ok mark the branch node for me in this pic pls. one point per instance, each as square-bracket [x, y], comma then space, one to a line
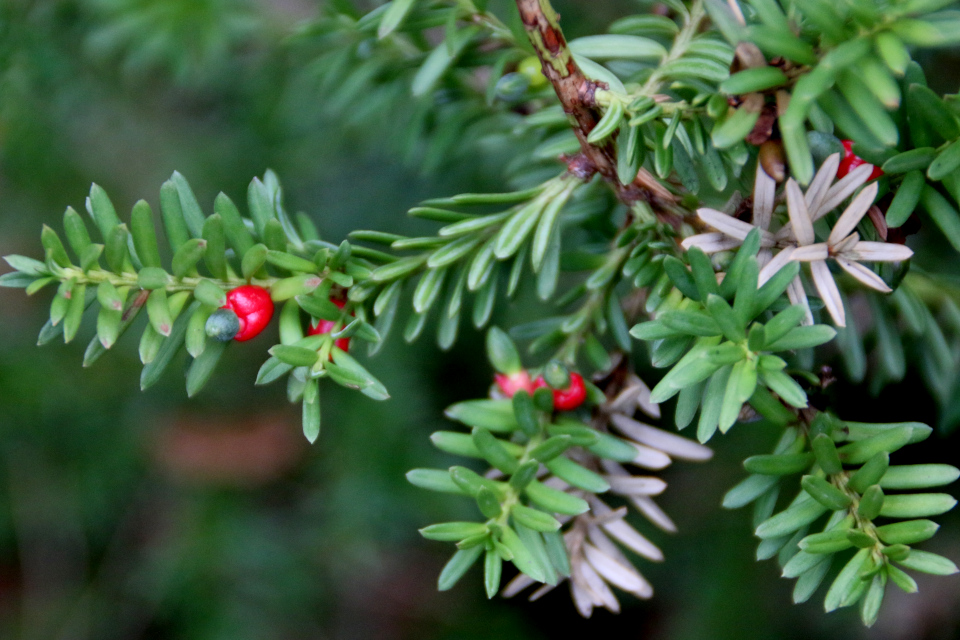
[587, 91]
[580, 166]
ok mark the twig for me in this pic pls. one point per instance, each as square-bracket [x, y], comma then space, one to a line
[577, 96]
[573, 88]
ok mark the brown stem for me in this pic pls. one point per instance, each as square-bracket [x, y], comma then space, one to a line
[576, 94]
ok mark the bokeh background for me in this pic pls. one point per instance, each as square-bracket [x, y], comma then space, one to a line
[128, 515]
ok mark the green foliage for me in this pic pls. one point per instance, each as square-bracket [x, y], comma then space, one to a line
[466, 256]
[847, 482]
[192, 41]
[548, 469]
[180, 299]
[363, 66]
[672, 115]
[725, 354]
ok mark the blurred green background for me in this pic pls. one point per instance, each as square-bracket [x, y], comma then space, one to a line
[128, 515]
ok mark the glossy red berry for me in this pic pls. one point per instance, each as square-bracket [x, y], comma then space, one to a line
[326, 326]
[569, 398]
[253, 307]
[510, 383]
[851, 161]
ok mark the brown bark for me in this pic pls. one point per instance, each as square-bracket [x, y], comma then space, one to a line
[576, 93]
[575, 90]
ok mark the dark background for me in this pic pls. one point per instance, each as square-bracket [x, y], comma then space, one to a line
[134, 515]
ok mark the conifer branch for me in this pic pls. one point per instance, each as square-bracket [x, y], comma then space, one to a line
[574, 89]
[576, 94]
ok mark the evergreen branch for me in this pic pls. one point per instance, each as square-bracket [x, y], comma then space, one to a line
[576, 92]
[602, 310]
[171, 284]
[549, 466]
[467, 255]
[734, 330]
[856, 497]
[358, 78]
[277, 261]
[619, 159]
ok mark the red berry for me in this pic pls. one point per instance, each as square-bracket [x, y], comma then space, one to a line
[569, 398]
[510, 383]
[326, 326]
[851, 161]
[253, 307]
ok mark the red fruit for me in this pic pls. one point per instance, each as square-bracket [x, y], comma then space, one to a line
[510, 383]
[851, 161]
[253, 307]
[326, 326]
[569, 398]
